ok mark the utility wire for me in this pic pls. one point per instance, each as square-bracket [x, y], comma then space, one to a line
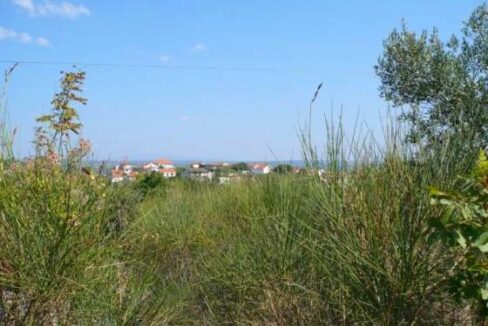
[179, 67]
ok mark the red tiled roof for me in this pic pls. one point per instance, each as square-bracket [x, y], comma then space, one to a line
[259, 166]
[167, 170]
[117, 173]
[163, 161]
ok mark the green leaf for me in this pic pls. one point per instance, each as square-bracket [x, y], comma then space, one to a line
[482, 242]
[484, 294]
[434, 192]
[461, 240]
[445, 201]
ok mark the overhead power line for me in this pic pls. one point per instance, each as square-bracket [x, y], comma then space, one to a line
[181, 67]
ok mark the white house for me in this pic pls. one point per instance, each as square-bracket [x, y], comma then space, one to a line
[168, 172]
[164, 163]
[151, 167]
[163, 166]
[123, 172]
[216, 166]
[260, 168]
[127, 168]
[117, 175]
[200, 174]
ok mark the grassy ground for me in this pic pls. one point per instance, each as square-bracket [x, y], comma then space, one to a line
[294, 249]
[355, 247]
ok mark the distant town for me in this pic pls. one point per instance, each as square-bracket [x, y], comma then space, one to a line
[221, 172]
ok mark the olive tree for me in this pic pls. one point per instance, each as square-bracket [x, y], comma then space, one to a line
[441, 86]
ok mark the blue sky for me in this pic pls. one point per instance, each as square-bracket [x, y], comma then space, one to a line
[148, 112]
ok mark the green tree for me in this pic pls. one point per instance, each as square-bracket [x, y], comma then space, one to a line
[443, 85]
[283, 168]
[150, 182]
[241, 166]
[179, 172]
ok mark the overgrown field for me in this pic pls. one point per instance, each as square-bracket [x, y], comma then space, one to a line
[362, 243]
[395, 232]
[356, 246]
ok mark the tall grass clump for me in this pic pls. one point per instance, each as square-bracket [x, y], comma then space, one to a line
[351, 245]
[370, 233]
[6, 135]
[348, 241]
[61, 261]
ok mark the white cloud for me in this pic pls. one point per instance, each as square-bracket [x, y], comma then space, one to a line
[42, 41]
[25, 38]
[48, 8]
[183, 118]
[198, 47]
[164, 58]
[26, 5]
[8, 34]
